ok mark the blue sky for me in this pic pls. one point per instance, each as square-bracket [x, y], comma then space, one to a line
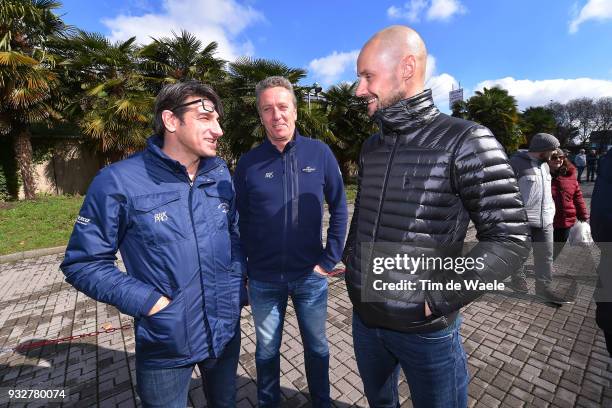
[539, 50]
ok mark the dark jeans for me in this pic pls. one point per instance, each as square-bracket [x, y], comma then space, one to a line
[579, 175]
[560, 237]
[603, 293]
[434, 365]
[269, 304]
[591, 173]
[603, 317]
[169, 387]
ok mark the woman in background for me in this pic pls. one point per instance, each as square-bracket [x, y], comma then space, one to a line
[569, 203]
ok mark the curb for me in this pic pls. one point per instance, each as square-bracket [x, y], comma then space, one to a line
[18, 256]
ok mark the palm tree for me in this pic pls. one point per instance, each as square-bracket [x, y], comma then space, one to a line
[348, 122]
[242, 126]
[27, 80]
[181, 57]
[459, 110]
[114, 106]
[537, 120]
[497, 110]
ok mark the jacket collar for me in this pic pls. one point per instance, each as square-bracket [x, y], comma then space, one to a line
[571, 170]
[155, 144]
[297, 139]
[525, 156]
[408, 114]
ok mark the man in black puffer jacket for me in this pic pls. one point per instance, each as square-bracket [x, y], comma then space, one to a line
[422, 178]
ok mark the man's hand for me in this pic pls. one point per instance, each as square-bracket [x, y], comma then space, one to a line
[427, 310]
[320, 271]
[161, 303]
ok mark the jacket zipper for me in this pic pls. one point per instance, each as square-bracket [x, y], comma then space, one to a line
[284, 251]
[384, 190]
[542, 201]
[294, 190]
[211, 350]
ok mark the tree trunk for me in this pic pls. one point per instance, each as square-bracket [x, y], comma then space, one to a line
[23, 153]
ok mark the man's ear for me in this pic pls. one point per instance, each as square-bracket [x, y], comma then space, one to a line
[408, 65]
[170, 121]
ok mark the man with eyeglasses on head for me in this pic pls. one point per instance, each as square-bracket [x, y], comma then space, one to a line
[170, 211]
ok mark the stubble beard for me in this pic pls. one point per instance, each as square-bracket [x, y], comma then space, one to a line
[392, 99]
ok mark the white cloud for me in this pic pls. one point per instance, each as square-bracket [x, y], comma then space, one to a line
[331, 68]
[209, 20]
[338, 66]
[440, 84]
[444, 9]
[538, 93]
[593, 10]
[410, 11]
[438, 10]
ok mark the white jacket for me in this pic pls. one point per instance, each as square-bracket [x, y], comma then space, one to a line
[534, 181]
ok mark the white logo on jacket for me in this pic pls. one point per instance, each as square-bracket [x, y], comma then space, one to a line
[269, 174]
[308, 169]
[82, 220]
[161, 216]
[224, 207]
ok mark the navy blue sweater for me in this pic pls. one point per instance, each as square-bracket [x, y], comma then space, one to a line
[280, 205]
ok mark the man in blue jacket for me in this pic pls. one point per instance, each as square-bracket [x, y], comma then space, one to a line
[170, 211]
[280, 188]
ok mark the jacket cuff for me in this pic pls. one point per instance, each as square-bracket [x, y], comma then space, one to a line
[149, 303]
[326, 264]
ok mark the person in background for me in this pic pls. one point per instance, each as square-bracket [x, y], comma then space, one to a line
[591, 162]
[534, 180]
[601, 231]
[580, 161]
[566, 193]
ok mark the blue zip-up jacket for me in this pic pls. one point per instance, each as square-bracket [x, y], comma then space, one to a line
[177, 239]
[280, 202]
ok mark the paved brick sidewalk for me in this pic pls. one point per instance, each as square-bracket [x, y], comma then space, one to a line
[521, 352]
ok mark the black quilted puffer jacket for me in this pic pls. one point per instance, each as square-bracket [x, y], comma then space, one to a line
[421, 179]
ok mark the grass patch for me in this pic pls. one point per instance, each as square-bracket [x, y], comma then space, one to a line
[351, 192]
[41, 223]
[47, 221]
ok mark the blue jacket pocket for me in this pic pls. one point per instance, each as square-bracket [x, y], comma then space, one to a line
[161, 217]
[164, 334]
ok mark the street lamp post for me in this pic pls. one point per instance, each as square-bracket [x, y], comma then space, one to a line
[317, 88]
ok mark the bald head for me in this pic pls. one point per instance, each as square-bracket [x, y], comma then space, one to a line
[394, 58]
[394, 44]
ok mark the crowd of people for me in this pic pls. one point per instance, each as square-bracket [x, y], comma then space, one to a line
[199, 244]
[582, 161]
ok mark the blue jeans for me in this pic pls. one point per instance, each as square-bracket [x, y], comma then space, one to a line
[169, 387]
[434, 365]
[268, 304]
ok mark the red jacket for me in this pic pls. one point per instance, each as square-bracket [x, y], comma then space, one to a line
[567, 196]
